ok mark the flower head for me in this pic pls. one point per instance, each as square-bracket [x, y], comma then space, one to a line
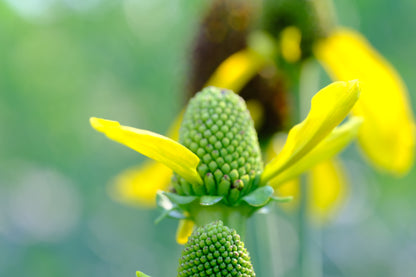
[218, 128]
[215, 250]
[218, 161]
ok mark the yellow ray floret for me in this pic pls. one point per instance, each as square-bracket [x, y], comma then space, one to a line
[290, 40]
[237, 70]
[157, 147]
[328, 108]
[387, 135]
[337, 140]
[185, 228]
[138, 186]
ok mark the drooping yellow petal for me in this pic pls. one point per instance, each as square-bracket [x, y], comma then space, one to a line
[328, 189]
[138, 186]
[237, 70]
[387, 135]
[157, 147]
[328, 108]
[290, 39]
[184, 230]
[337, 140]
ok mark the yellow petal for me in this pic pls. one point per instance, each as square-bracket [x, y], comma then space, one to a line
[157, 147]
[138, 186]
[184, 230]
[290, 44]
[237, 70]
[337, 140]
[328, 189]
[387, 135]
[328, 108]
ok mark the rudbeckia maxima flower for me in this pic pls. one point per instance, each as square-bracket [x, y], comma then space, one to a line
[317, 137]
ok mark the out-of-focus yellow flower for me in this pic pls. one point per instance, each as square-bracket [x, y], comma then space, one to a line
[328, 109]
[387, 136]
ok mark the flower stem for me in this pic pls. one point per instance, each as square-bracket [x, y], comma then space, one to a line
[232, 217]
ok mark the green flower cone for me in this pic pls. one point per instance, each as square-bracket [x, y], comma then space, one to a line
[218, 128]
[215, 250]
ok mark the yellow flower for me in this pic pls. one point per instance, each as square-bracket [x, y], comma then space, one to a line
[387, 136]
[307, 143]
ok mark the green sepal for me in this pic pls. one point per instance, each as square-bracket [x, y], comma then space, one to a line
[179, 199]
[163, 201]
[170, 208]
[285, 199]
[175, 213]
[141, 274]
[259, 197]
[207, 200]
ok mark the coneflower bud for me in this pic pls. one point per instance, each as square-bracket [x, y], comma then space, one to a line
[215, 250]
[218, 128]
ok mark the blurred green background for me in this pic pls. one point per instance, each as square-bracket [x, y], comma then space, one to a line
[62, 61]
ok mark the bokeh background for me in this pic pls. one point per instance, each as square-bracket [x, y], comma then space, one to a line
[62, 61]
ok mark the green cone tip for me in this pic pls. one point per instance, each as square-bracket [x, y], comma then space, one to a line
[218, 128]
[215, 250]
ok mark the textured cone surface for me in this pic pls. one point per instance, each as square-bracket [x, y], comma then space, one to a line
[215, 250]
[218, 128]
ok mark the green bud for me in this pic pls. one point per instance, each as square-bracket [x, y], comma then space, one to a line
[215, 250]
[218, 128]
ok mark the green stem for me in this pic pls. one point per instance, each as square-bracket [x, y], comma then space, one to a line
[232, 217]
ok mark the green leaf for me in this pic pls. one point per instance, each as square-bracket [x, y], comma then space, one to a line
[210, 200]
[259, 197]
[141, 274]
[179, 199]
